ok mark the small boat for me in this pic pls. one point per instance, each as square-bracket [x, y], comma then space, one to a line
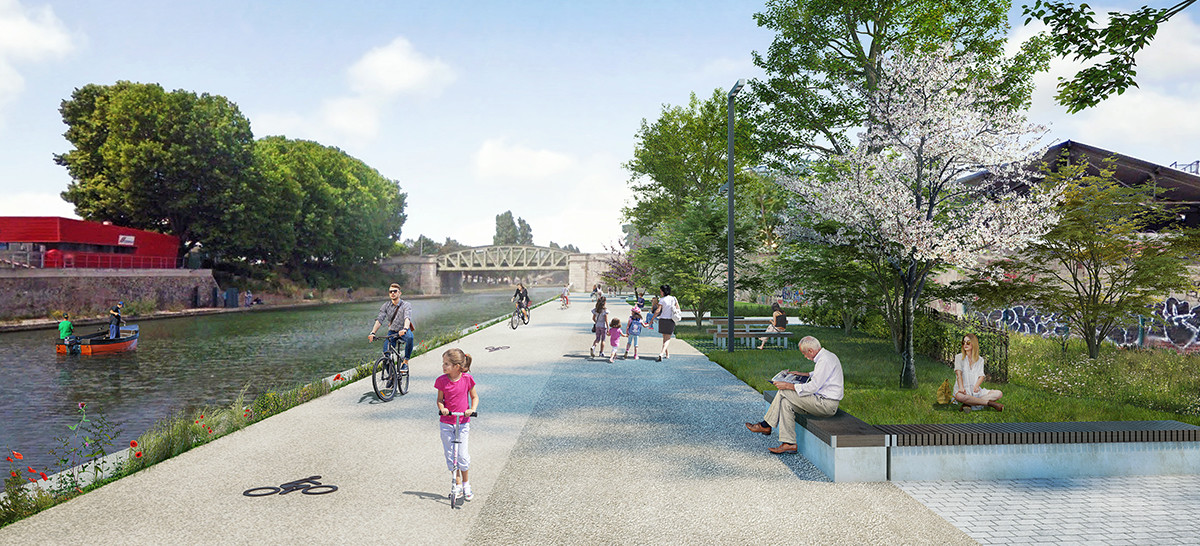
[99, 343]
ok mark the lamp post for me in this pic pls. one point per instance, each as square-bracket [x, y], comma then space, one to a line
[729, 184]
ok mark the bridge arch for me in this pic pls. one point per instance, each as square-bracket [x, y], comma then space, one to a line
[504, 258]
[443, 273]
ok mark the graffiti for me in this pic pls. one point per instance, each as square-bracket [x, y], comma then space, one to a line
[1172, 323]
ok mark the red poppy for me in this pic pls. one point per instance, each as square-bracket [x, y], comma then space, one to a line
[31, 470]
[337, 377]
[9, 459]
[137, 455]
[43, 475]
[13, 472]
[197, 422]
[133, 443]
[33, 480]
[18, 455]
[201, 416]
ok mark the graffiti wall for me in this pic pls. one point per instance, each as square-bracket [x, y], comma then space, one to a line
[1173, 323]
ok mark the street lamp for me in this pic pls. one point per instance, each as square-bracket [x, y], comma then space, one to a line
[729, 186]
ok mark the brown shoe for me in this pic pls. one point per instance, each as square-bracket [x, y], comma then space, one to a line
[755, 427]
[783, 448]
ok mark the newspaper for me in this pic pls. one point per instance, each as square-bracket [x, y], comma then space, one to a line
[790, 377]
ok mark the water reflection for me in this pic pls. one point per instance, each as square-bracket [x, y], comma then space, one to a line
[189, 362]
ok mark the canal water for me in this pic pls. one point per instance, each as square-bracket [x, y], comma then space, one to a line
[185, 363]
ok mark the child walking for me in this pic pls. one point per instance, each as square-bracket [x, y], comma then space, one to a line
[456, 393]
[600, 326]
[614, 337]
[632, 330]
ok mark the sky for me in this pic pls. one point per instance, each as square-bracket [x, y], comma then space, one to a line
[474, 107]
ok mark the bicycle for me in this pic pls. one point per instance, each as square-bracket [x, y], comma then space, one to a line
[456, 474]
[390, 374]
[564, 302]
[520, 316]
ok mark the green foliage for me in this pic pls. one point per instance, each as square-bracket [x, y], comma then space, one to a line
[1071, 33]
[1100, 264]
[940, 337]
[507, 232]
[822, 49]
[20, 501]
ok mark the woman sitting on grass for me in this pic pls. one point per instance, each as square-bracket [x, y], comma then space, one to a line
[968, 371]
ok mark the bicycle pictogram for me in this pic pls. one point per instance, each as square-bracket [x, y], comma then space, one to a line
[491, 349]
[307, 486]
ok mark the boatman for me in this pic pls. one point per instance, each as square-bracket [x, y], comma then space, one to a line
[114, 320]
[397, 315]
[66, 330]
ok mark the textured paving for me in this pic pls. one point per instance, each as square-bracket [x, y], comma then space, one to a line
[1115, 511]
[567, 450]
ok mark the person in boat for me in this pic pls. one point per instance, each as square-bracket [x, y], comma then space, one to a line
[66, 330]
[114, 320]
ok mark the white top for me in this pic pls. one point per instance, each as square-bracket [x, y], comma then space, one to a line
[971, 372]
[669, 305]
[826, 378]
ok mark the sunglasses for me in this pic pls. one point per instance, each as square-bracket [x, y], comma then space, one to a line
[393, 291]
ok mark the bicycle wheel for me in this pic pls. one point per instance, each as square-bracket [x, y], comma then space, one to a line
[514, 321]
[381, 379]
[402, 379]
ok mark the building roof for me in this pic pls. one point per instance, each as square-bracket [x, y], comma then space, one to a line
[1181, 187]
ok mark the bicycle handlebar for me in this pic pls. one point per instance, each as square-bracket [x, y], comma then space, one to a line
[460, 414]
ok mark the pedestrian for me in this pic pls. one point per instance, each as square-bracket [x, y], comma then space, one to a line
[114, 320]
[655, 309]
[66, 330]
[778, 323]
[632, 330]
[640, 297]
[456, 393]
[668, 313]
[397, 315]
[969, 376]
[249, 298]
[599, 325]
[819, 396]
[614, 337]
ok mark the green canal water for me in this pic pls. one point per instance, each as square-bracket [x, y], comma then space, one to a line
[184, 363]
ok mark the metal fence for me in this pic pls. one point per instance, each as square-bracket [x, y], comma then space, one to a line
[33, 259]
[21, 259]
[939, 336]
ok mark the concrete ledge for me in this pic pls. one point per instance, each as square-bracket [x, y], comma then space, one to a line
[843, 464]
[1026, 461]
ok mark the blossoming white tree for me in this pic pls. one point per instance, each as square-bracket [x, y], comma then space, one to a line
[905, 193]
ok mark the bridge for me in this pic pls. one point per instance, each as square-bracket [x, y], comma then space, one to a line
[445, 273]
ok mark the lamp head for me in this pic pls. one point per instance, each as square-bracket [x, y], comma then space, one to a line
[737, 87]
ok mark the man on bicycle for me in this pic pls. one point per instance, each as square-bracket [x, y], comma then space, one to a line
[521, 296]
[566, 295]
[397, 315]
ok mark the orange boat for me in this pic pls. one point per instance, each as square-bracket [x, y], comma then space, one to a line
[99, 343]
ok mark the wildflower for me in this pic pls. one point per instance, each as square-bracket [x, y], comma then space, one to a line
[137, 455]
[13, 472]
[201, 416]
[31, 470]
[337, 377]
[18, 455]
[82, 404]
[133, 443]
[9, 459]
[32, 480]
[43, 475]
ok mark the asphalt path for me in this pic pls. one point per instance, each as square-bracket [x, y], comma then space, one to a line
[567, 449]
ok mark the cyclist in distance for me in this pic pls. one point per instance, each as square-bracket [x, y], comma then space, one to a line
[397, 315]
[521, 296]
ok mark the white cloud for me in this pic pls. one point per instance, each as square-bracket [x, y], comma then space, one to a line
[36, 204]
[1156, 121]
[498, 159]
[27, 35]
[374, 82]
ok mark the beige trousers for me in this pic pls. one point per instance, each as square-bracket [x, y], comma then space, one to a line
[782, 413]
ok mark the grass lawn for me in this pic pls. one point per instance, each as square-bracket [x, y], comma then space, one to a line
[872, 373]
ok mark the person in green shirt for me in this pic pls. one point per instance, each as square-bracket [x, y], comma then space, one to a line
[65, 328]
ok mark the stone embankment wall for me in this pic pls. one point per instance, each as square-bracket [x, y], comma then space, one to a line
[36, 293]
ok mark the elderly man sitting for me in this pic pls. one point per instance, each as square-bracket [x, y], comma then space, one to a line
[819, 396]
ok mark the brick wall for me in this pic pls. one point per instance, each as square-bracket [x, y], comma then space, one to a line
[38, 292]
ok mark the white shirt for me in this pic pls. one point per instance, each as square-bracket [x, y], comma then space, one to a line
[826, 378]
[668, 303]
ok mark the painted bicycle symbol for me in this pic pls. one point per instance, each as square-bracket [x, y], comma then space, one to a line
[307, 486]
[491, 349]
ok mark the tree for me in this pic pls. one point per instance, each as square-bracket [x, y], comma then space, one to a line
[835, 276]
[689, 252]
[171, 162]
[900, 195]
[1071, 34]
[621, 269]
[824, 51]
[1103, 262]
[423, 246]
[507, 232]
[524, 232]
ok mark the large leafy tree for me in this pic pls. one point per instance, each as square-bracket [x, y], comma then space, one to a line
[1073, 33]
[689, 251]
[1103, 262]
[166, 161]
[825, 51]
[900, 195]
[507, 232]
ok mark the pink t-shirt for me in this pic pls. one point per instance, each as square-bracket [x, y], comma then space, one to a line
[456, 395]
[614, 336]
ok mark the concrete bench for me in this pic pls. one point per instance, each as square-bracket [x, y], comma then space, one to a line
[720, 337]
[848, 449]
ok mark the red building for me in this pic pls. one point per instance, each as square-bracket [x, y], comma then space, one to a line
[51, 242]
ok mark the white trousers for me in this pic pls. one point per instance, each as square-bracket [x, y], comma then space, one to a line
[464, 458]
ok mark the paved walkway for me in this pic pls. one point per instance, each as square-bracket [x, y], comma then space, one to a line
[573, 450]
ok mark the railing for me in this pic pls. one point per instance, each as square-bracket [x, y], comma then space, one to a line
[1193, 167]
[32, 259]
[21, 259]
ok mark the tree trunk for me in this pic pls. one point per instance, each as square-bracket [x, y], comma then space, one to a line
[908, 367]
[848, 320]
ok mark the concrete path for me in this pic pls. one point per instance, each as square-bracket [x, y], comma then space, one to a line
[567, 450]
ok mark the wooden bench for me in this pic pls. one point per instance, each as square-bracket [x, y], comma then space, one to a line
[721, 337]
[995, 451]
